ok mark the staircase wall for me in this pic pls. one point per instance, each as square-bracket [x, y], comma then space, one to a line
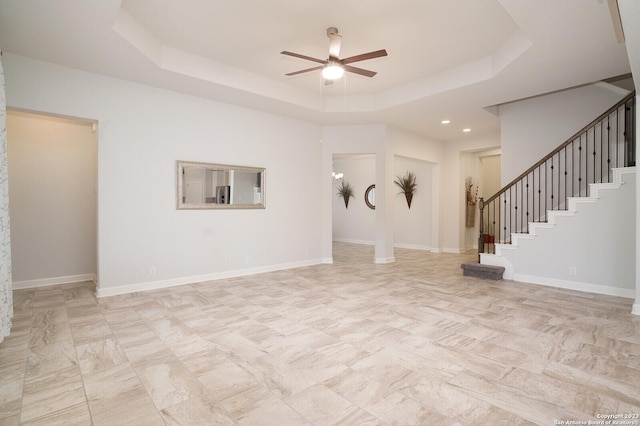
[533, 127]
[592, 250]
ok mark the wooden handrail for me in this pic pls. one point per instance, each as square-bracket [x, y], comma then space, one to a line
[561, 147]
[549, 182]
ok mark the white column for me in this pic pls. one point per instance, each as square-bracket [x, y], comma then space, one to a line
[435, 209]
[630, 17]
[636, 304]
[326, 192]
[6, 295]
[384, 206]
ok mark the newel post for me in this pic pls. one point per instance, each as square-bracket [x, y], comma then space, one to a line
[481, 227]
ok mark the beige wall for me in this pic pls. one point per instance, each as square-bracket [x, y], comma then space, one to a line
[490, 179]
[52, 196]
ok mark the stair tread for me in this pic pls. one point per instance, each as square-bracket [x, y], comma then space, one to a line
[584, 199]
[560, 212]
[571, 210]
[523, 235]
[481, 270]
[541, 225]
[613, 185]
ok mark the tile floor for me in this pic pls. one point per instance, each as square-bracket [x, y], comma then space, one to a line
[353, 343]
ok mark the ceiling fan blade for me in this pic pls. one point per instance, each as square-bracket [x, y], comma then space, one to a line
[360, 71]
[364, 56]
[303, 71]
[335, 41]
[308, 58]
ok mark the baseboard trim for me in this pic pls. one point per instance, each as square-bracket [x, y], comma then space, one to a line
[160, 284]
[412, 247]
[383, 260]
[45, 282]
[350, 241]
[636, 308]
[397, 245]
[575, 285]
[453, 250]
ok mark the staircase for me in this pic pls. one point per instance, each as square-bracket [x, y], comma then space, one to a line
[595, 167]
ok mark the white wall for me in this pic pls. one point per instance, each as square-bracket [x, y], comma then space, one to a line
[387, 145]
[603, 256]
[483, 167]
[534, 127]
[630, 16]
[53, 200]
[447, 231]
[358, 139]
[431, 155]
[471, 169]
[444, 161]
[357, 223]
[461, 160]
[596, 252]
[412, 226]
[142, 132]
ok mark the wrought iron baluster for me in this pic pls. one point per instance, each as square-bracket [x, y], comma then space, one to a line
[514, 206]
[617, 136]
[601, 151]
[565, 198]
[609, 148]
[546, 192]
[528, 205]
[551, 159]
[539, 195]
[594, 155]
[495, 229]
[505, 218]
[518, 199]
[580, 167]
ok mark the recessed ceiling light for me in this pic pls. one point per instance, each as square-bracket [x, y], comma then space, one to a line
[466, 130]
[445, 121]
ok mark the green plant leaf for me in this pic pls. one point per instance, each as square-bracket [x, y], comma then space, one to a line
[407, 183]
[345, 190]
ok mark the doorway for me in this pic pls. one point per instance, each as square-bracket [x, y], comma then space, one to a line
[354, 223]
[52, 164]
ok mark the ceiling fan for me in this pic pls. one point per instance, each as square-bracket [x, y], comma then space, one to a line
[333, 68]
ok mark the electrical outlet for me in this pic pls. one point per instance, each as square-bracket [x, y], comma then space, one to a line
[152, 270]
[248, 260]
[573, 270]
[227, 261]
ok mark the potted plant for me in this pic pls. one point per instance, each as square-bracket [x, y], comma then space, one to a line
[407, 184]
[345, 190]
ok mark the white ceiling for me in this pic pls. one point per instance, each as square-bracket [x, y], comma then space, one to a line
[446, 58]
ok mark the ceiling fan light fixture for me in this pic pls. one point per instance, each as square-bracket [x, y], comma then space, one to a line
[332, 71]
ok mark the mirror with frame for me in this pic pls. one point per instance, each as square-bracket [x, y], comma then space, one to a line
[219, 186]
[370, 196]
